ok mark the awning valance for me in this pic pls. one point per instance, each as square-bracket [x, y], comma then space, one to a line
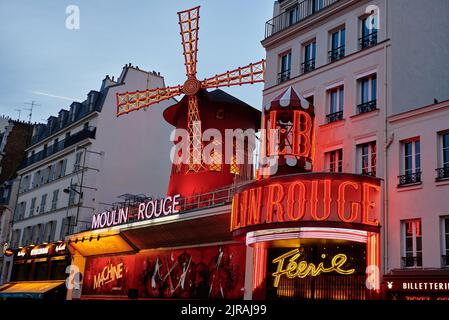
[28, 289]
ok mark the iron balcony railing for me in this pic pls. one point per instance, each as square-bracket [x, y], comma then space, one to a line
[410, 178]
[283, 76]
[369, 173]
[195, 202]
[442, 173]
[332, 117]
[308, 66]
[294, 15]
[368, 40]
[336, 54]
[84, 112]
[367, 106]
[67, 142]
[410, 262]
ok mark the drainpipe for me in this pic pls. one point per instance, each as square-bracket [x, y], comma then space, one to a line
[387, 143]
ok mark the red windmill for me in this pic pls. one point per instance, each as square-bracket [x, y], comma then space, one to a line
[189, 111]
[192, 87]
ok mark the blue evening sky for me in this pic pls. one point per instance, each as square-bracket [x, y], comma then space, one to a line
[39, 55]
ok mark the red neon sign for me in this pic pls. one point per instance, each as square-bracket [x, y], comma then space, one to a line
[308, 197]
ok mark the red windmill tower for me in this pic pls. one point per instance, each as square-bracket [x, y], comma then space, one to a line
[195, 176]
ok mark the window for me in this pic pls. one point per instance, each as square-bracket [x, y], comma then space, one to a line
[25, 185]
[369, 31]
[54, 200]
[56, 145]
[337, 39]
[367, 158]
[67, 227]
[26, 240]
[443, 170]
[60, 168]
[67, 135]
[285, 66]
[32, 206]
[336, 99]
[49, 234]
[43, 203]
[309, 57]
[412, 243]
[36, 179]
[78, 156]
[368, 94]
[20, 210]
[411, 172]
[335, 160]
[72, 194]
[445, 241]
[317, 5]
[86, 126]
[293, 15]
[16, 238]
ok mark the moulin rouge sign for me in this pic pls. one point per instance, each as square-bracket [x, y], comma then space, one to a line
[146, 211]
[333, 197]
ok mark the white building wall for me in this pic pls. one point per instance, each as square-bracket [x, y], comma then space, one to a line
[135, 147]
[427, 201]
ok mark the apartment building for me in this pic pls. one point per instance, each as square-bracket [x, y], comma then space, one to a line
[360, 64]
[14, 137]
[78, 163]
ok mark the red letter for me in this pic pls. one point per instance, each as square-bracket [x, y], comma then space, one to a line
[292, 200]
[367, 204]
[326, 200]
[275, 196]
[255, 205]
[341, 202]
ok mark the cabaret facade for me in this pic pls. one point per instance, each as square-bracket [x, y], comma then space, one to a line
[285, 232]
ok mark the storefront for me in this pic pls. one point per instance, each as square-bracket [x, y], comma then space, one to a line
[312, 236]
[38, 272]
[416, 285]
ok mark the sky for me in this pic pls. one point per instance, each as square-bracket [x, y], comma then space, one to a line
[42, 60]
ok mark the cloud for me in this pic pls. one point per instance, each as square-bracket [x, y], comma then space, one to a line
[55, 96]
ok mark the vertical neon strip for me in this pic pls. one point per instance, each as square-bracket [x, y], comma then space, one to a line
[373, 259]
[259, 268]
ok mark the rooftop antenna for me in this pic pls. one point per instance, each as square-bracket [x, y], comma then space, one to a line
[19, 111]
[30, 109]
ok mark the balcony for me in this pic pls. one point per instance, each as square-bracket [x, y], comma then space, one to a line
[336, 116]
[295, 15]
[410, 179]
[411, 262]
[369, 173]
[61, 145]
[336, 54]
[367, 107]
[308, 66]
[283, 76]
[442, 173]
[368, 40]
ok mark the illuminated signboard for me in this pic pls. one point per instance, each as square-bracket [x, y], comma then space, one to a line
[146, 211]
[343, 198]
[109, 274]
[301, 269]
[42, 250]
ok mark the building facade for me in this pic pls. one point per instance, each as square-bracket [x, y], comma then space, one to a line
[14, 138]
[353, 60]
[73, 168]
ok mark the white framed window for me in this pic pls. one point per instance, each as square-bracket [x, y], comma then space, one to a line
[368, 89]
[67, 227]
[334, 160]
[43, 203]
[72, 194]
[337, 40]
[444, 145]
[54, 200]
[367, 158]
[32, 206]
[77, 163]
[285, 61]
[412, 243]
[411, 157]
[336, 99]
[445, 241]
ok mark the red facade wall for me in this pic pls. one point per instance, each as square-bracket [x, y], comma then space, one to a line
[213, 272]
